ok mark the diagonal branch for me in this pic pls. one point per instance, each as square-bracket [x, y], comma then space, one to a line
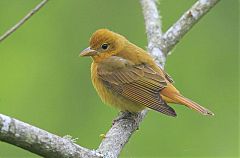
[23, 20]
[119, 134]
[39, 141]
[185, 23]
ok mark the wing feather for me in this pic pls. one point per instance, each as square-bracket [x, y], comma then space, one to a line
[140, 84]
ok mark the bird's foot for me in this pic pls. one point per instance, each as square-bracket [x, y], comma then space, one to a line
[123, 115]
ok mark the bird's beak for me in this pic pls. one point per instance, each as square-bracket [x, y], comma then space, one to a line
[88, 52]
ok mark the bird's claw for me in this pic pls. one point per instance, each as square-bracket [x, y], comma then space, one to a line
[123, 115]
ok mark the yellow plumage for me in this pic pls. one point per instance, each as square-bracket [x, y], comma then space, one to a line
[126, 77]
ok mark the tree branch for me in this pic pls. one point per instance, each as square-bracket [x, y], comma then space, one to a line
[23, 20]
[185, 23]
[122, 129]
[39, 141]
[153, 26]
[48, 145]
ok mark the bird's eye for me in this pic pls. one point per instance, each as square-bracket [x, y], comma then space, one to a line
[104, 46]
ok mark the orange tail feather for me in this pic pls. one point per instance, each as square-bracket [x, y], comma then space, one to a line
[191, 104]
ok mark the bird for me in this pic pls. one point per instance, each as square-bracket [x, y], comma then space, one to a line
[126, 76]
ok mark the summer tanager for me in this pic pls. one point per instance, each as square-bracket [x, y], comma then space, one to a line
[126, 76]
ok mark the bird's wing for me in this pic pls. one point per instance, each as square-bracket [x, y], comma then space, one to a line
[168, 77]
[138, 83]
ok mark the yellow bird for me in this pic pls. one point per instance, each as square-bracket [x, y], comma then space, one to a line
[126, 76]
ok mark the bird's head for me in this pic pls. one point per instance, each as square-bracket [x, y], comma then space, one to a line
[103, 44]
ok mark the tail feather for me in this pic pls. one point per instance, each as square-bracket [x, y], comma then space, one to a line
[191, 104]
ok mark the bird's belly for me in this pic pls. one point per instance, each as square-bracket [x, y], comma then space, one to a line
[112, 98]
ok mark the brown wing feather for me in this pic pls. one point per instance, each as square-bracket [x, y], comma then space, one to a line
[168, 77]
[140, 84]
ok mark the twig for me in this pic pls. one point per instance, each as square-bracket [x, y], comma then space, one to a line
[39, 141]
[23, 20]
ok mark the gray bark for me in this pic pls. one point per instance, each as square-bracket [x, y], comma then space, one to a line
[39, 141]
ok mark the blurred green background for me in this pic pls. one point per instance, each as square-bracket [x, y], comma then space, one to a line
[43, 81]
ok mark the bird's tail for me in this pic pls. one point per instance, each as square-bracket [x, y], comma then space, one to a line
[191, 104]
